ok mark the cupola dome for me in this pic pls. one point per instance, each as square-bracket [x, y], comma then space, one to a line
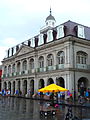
[50, 20]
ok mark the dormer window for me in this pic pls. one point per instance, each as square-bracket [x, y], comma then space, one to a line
[32, 42]
[81, 33]
[49, 37]
[60, 31]
[41, 41]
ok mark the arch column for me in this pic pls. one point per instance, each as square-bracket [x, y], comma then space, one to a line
[36, 85]
[11, 87]
[16, 85]
[45, 81]
[54, 79]
[28, 84]
[2, 85]
[21, 86]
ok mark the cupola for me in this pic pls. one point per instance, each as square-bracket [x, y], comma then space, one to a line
[50, 20]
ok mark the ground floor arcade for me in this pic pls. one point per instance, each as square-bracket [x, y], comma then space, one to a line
[33, 84]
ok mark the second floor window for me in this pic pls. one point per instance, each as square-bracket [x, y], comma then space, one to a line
[50, 60]
[60, 57]
[18, 67]
[41, 62]
[9, 69]
[5, 70]
[32, 64]
[24, 65]
[13, 68]
[81, 57]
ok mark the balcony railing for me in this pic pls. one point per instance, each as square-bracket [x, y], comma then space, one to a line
[83, 66]
[60, 66]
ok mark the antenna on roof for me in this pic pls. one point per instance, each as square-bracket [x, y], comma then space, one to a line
[50, 10]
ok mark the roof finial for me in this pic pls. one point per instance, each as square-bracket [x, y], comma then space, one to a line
[50, 11]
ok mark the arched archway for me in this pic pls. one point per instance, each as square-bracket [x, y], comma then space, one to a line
[25, 87]
[82, 85]
[60, 82]
[9, 86]
[32, 86]
[84, 81]
[18, 85]
[41, 83]
[13, 87]
[50, 81]
[5, 85]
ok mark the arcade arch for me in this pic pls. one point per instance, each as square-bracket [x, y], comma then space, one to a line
[50, 81]
[41, 83]
[60, 82]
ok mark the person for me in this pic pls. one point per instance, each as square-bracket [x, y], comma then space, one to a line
[69, 114]
[87, 94]
[29, 93]
[2, 92]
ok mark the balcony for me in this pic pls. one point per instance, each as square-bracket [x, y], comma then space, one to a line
[83, 66]
[60, 66]
[18, 73]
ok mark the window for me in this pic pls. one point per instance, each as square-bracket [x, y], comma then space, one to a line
[5, 70]
[41, 62]
[60, 31]
[18, 67]
[49, 37]
[13, 68]
[32, 42]
[32, 64]
[9, 69]
[81, 33]
[60, 57]
[81, 57]
[24, 65]
[41, 41]
[50, 60]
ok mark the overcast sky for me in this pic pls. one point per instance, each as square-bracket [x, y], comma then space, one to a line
[22, 19]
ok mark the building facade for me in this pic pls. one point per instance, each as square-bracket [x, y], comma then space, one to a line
[0, 76]
[58, 54]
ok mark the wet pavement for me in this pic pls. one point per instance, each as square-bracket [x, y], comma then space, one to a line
[25, 109]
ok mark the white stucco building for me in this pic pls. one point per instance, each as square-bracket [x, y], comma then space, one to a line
[58, 54]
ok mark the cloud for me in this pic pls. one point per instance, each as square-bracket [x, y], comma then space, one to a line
[2, 53]
[9, 42]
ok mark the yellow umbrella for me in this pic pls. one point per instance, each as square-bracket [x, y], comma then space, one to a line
[52, 88]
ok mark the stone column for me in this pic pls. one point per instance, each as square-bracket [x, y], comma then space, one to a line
[45, 62]
[36, 62]
[16, 85]
[36, 85]
[27, 64]
[45, 81]
[55, 60]
[21, 66]
[21, 86]
[11, 87]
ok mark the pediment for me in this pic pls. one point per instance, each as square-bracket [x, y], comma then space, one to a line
[23, 50]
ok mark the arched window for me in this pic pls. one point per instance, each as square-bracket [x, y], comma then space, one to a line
[41, 62]
[50, 60]
[32, 63]
[24, 65]
[81, 57]
[18, 67]
[9, 69]
[60, 57]
[13, 68]
[5, 70]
